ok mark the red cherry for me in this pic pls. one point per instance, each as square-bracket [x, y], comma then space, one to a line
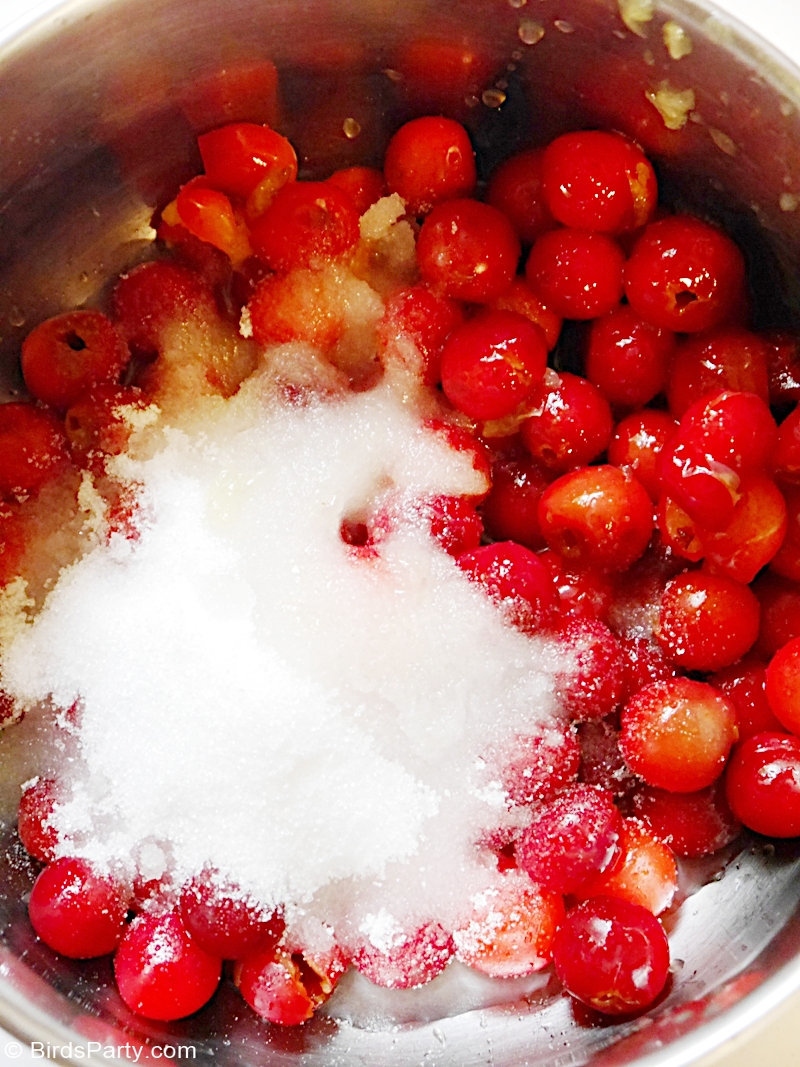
[451, 520]
[754, 535]
[676, 734]
[762, 784]
[467, 250]
[678, 531]
[510, 929]
[779, 598]
[594, 686]
[786, 457]
[570, 424]
[728, 358]
[704, 488]
[733, 427]
[224, 921]
[511, 509]
[211, 265]
[786, 561]
[428, 160]
[63, 357]
[210, 215]
[627, 358]
[570, 838]
[302, 305]
[521, 298]
[454, 523]
[286, 987]
[597, 180]
[647, 875]
[161, 972]
[364, 185]
[602, 764]
[536, 767]
[684, 275]
[273, 987]
[583, 592]
[76, 910]
[492, 364]
[35, 808]
[515, 188]
[597, 516]
[783, 685]
[461, 440]
[692, 824]
[307, 224]
[745, 532]
[707, 621]
[744, 683]
[97, 427]
[612, 955]
[577, 273]
[516, 579]
[637, 443]
[410, 959]
[153, 296]
[242, 155]
[645, 662]
[33, 449]
[414, 327]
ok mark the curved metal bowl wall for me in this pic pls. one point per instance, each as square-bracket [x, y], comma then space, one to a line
[100, 107]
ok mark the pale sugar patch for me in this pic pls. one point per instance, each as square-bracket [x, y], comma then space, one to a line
[258, 697]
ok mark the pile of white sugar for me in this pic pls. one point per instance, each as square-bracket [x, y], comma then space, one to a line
[256, 695]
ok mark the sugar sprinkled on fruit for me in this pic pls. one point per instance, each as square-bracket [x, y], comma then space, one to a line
[299, 687]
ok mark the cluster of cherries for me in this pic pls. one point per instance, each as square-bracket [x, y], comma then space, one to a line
[646, 511]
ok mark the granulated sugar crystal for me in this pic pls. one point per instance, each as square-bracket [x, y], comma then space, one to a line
[254, 694]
